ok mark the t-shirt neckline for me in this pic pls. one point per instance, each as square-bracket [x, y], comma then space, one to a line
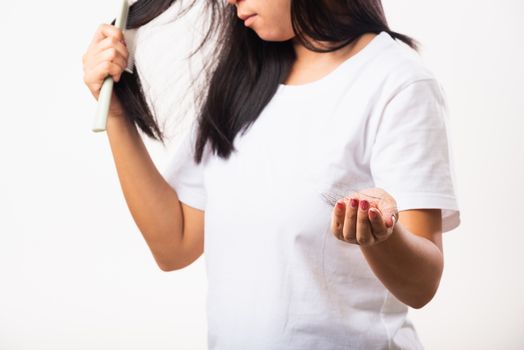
[359, 56]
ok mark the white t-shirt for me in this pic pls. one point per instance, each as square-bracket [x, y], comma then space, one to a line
[277, 276]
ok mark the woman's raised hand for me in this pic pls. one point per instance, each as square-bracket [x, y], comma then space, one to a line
[365, 217]
[107, 54]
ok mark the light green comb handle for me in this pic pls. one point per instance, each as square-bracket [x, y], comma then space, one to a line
[104, 98]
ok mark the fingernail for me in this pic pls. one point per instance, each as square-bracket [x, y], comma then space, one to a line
[340, 205]
[353, 202]
[364, 204]
[393, 220]
[372, 213]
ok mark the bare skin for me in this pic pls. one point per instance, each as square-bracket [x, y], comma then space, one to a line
[404, 249]
[172, 230]
[311, 66]
[406, 255]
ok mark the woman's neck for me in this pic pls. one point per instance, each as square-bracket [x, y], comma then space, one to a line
[310, 65]
[304, 54]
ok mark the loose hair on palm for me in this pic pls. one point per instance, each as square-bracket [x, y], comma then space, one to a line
[243, 73]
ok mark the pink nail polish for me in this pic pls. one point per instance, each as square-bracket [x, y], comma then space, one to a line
[340, 205]
[364, 204]
[353, 202]
[391, 221]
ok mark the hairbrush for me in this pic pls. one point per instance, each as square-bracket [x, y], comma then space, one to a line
[106, 91]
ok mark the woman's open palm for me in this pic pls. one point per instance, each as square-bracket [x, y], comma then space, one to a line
[365, 217]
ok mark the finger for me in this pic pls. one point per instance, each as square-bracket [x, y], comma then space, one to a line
[349, 230]
[378, 226]
[364, 236]
[108, 56]
[105, 30]
[337, 220]
[100, 72]
[388, 208]
[111, 52]
[111, 42]
[389, 215]
[392, 219]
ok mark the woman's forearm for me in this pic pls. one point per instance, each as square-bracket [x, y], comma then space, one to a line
[410, 266]
[152, 202]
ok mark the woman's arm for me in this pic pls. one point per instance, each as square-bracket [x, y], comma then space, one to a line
[172, 230]
[410, 262]
[407, 255]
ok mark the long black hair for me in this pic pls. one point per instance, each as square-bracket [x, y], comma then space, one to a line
[244, 71]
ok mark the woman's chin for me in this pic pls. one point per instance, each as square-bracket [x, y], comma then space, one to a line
[272, 35]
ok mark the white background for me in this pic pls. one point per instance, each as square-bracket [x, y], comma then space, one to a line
[75, 272]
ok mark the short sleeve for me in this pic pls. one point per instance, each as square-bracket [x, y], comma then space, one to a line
[411, 157]
[184, 175]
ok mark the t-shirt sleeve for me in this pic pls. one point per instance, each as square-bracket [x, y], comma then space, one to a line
[411, 158]
[184, 175]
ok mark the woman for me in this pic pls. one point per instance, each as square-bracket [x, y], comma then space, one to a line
[307, 102]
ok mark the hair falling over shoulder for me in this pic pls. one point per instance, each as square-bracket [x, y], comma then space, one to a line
[243, 73]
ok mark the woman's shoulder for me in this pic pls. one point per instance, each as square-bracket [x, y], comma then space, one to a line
[396, 65]
[406, 62]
